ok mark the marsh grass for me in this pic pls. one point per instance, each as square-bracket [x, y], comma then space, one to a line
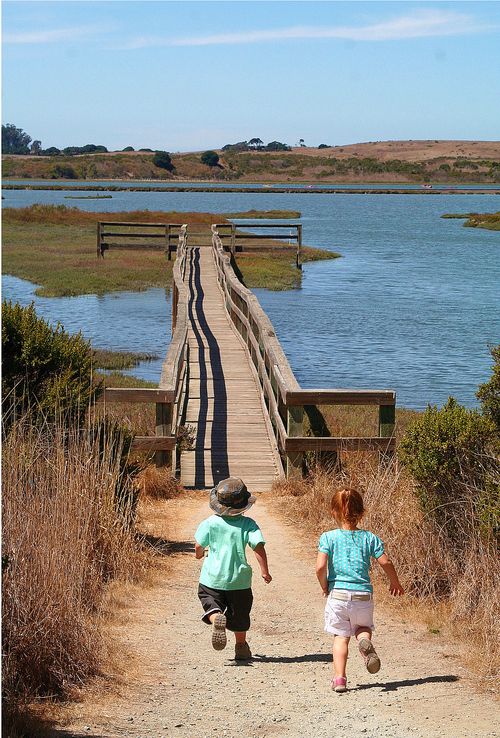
[457, 593]
[276, 271]
[490, 221]
[63, 541]
[116, 360]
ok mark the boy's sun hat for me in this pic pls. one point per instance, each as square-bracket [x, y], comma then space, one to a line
[230, 497]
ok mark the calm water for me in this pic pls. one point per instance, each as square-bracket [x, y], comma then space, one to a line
[412, 305]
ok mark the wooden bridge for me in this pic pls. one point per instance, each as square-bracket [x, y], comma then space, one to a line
[227, 379]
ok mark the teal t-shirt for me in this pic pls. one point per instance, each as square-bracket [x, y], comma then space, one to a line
[226, 566]
[349, 554]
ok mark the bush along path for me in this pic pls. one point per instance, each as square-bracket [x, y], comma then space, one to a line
[175, 684]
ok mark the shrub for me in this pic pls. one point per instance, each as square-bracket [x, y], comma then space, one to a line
[162, 160]
[128, 148]
[489, 392]
[47, 367]
[446, 451]
[210, 158]
[62, 171]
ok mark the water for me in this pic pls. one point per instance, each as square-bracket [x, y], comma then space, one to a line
[121, 321]
[412, 304]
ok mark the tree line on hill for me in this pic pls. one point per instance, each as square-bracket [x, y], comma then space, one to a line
[256, 144]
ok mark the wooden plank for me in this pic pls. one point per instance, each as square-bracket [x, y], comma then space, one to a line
[136, 394]
[154, 443]
[340, 397]
[311, 443]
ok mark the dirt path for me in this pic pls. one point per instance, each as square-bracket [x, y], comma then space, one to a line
[184, 688]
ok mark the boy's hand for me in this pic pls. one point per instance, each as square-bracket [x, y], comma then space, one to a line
[267, 578]
[396, 589]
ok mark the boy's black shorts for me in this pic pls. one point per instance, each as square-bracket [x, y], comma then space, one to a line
[234, 603]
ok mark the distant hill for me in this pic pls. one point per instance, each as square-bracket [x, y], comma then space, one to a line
[379, 161]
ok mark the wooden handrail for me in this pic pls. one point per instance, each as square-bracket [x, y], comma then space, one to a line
[284, 398]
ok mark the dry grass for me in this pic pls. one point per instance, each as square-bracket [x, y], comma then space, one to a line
[63, 540]
[457, 593]
[157, 483]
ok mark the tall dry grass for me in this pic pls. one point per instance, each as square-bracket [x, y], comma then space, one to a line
[457, 588]
[63, 539]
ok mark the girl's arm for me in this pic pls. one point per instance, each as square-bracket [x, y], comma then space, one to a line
[395, 587]
[322, 571]
[261, 556]
[199, 551]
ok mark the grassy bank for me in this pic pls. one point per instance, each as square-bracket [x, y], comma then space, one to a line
[490, 221]
[55, 247]
[116, 360]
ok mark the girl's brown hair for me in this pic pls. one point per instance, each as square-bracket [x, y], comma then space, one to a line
[347, 506]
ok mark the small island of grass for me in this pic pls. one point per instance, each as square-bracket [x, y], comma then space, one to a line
[55, 248]
[264, 214]
[491, 221]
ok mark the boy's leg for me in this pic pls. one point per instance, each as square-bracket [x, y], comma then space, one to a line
[240, 636]
[214, 605]
[239, 605]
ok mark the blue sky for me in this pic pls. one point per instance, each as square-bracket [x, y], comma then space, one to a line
[191, 75]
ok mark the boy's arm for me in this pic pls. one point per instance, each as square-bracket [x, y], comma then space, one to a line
[199, 551]
[395, 587]
[261, 556]
[322, 571]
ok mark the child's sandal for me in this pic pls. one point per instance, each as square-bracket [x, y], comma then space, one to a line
[219, 638]
[367, 651]
[339, 684]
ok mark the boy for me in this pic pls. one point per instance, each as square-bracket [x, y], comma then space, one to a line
[226, 576]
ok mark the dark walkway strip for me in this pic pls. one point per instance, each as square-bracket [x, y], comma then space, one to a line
[199, 454]
[220, 462]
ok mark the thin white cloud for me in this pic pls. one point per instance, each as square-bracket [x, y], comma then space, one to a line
[51, 36]
[420, 24]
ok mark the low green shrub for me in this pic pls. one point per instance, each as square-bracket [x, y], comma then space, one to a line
[489, 392]
[448, 452]
[44, 366]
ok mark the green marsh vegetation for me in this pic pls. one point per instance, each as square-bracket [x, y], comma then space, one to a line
[490, 221]
[55, 247]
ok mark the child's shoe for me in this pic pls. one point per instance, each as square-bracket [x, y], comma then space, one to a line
[242, 652]
[339, 684]
[367, 651]
[219, 638]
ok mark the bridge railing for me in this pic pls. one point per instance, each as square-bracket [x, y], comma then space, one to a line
[170, 396]
[123, 235]
[285, 400]
[283, 232]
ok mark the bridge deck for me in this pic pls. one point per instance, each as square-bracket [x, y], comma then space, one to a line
[225, 401]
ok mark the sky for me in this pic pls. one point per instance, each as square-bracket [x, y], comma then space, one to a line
[186, 76]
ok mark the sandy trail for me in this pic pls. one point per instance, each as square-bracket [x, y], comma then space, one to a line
[184, 688]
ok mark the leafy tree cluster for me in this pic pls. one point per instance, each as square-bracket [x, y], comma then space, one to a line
[210, 158]
[15, 140]
[256, 144]
[162, 159]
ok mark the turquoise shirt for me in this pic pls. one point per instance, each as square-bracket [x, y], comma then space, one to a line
[226, 566]
[349, 554]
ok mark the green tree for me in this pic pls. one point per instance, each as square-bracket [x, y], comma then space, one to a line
[128, 148]
[62, 171]
[210, 158]
[163, 160]
[14, 140]
[36, 148]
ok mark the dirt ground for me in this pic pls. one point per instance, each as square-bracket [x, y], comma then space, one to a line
[174, 684]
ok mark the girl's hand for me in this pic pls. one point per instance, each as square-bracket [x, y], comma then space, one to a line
[396, 589]
[267, 578]
[325, 591]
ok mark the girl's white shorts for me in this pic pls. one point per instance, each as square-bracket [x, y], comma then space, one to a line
[344, 618]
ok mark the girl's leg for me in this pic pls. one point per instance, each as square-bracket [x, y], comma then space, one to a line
[367, 650]
[340, 653]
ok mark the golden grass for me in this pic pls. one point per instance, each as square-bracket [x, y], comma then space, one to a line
[450, 592]
[63, 540]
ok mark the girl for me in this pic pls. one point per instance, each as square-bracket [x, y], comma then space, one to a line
[342, 569]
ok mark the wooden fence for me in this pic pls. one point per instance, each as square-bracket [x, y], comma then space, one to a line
[285, 400]
[238, 239]
[169, 397]
[123, 235]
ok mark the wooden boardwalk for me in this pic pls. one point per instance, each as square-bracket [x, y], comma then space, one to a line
[224, 405]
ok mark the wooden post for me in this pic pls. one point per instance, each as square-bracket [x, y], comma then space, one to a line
[386, 423]
[163, 428]
[233, 238]
[167, 236]
[299, 244]
[99, 252]
[295, 425]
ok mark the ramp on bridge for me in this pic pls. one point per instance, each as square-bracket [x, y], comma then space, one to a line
[225, 405]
